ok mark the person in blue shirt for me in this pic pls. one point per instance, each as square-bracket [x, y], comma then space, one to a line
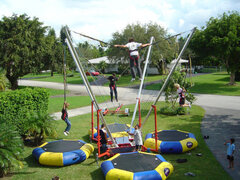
[230, 151]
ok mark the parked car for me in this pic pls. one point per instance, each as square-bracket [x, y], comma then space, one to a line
[92, 72]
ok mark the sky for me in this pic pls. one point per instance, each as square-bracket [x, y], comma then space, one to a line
[101, 18]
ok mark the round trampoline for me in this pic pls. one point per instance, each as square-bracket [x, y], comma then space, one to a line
[136, 166]
[116, 129]
[171, 141]
[62, 152]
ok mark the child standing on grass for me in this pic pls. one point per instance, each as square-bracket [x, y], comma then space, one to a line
[230, 152]
[65, 118]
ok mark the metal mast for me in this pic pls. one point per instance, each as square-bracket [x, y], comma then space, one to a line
[85, 80]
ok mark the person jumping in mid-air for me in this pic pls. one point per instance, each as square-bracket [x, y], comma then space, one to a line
[181, 94]
[112, 85]
[134, 56]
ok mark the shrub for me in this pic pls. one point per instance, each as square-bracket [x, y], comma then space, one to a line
[11, 148]
[173, 110]
[38, 126]
[15, 105]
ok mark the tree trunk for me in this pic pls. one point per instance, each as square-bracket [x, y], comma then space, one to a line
[232, 78]
[13, 81]
[237, 76]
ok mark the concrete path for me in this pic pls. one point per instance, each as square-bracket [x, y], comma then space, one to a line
[221, 121]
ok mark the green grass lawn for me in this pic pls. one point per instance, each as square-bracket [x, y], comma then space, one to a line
[56, 103]
[125, 81]
[215, 83]
[205, 167]
[76, 79]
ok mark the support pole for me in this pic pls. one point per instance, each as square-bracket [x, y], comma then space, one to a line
[139, 114]
[155, 118]
[169, 75]
[64, 72]
[85, 80]
[92, 117]
[141, 85]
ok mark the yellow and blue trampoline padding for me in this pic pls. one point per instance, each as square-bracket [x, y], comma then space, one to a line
[171, 141]
[116, 129]
[62, 152]
[136, 166]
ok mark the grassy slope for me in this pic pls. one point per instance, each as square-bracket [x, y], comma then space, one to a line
[215, 83]
[204, 167]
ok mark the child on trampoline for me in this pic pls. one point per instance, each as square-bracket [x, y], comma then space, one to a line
[181, 94]
[134, 56]
[230, 152]
[65, 118]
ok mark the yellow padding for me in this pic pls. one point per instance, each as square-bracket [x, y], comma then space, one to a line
[162, 166]
[184, 144]
[119, 134]
[90, 131]
[51, 159]
[119, 174]
[150, 143]
[115, 156]
[88, 149]
[43, 144]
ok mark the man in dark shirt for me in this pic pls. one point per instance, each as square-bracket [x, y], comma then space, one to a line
[112, 85]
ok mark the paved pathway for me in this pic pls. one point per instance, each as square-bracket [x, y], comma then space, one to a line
[221, 121]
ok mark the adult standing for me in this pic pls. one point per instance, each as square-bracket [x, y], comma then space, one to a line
[112, 85]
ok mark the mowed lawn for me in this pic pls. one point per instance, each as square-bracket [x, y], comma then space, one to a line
[215, 83]
[205, 167]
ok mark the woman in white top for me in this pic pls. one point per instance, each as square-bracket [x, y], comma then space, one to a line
[134, 56]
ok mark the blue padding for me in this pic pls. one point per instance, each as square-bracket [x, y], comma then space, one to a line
[149, 135]
[82, 141]
[95, 135]
[73, 157]
[191, 135]
[171, 147]
[129, 153]
[161, 158]
[106, 166]
[37, 152]
[149, 175]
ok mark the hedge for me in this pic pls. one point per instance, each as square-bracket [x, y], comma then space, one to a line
[15, 106]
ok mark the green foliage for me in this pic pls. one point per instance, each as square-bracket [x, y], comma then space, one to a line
[220, 41]
[15, 105]
[11, 148]
[166, 49]
[172, 110]
[102, 65]
[3, 81]
[38, 126]
[22, 47]
[171, 96]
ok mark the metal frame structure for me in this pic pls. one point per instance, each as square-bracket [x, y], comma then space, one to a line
[170, 74]
[85, 80]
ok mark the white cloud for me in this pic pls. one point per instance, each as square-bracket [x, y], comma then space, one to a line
[102, 18]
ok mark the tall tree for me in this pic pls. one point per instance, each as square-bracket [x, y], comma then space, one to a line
[220, 40]
[166, 49]
[22, 46]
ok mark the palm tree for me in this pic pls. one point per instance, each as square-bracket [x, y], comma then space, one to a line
[11, 147]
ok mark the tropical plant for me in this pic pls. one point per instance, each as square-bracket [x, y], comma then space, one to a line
[3, 81]
[171, 96]
[39, 126]
[11, 148]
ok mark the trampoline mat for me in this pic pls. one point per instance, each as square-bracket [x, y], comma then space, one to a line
[136, 162]
[171, 135]
[122, 149]
[62, 146]
[113, 128]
